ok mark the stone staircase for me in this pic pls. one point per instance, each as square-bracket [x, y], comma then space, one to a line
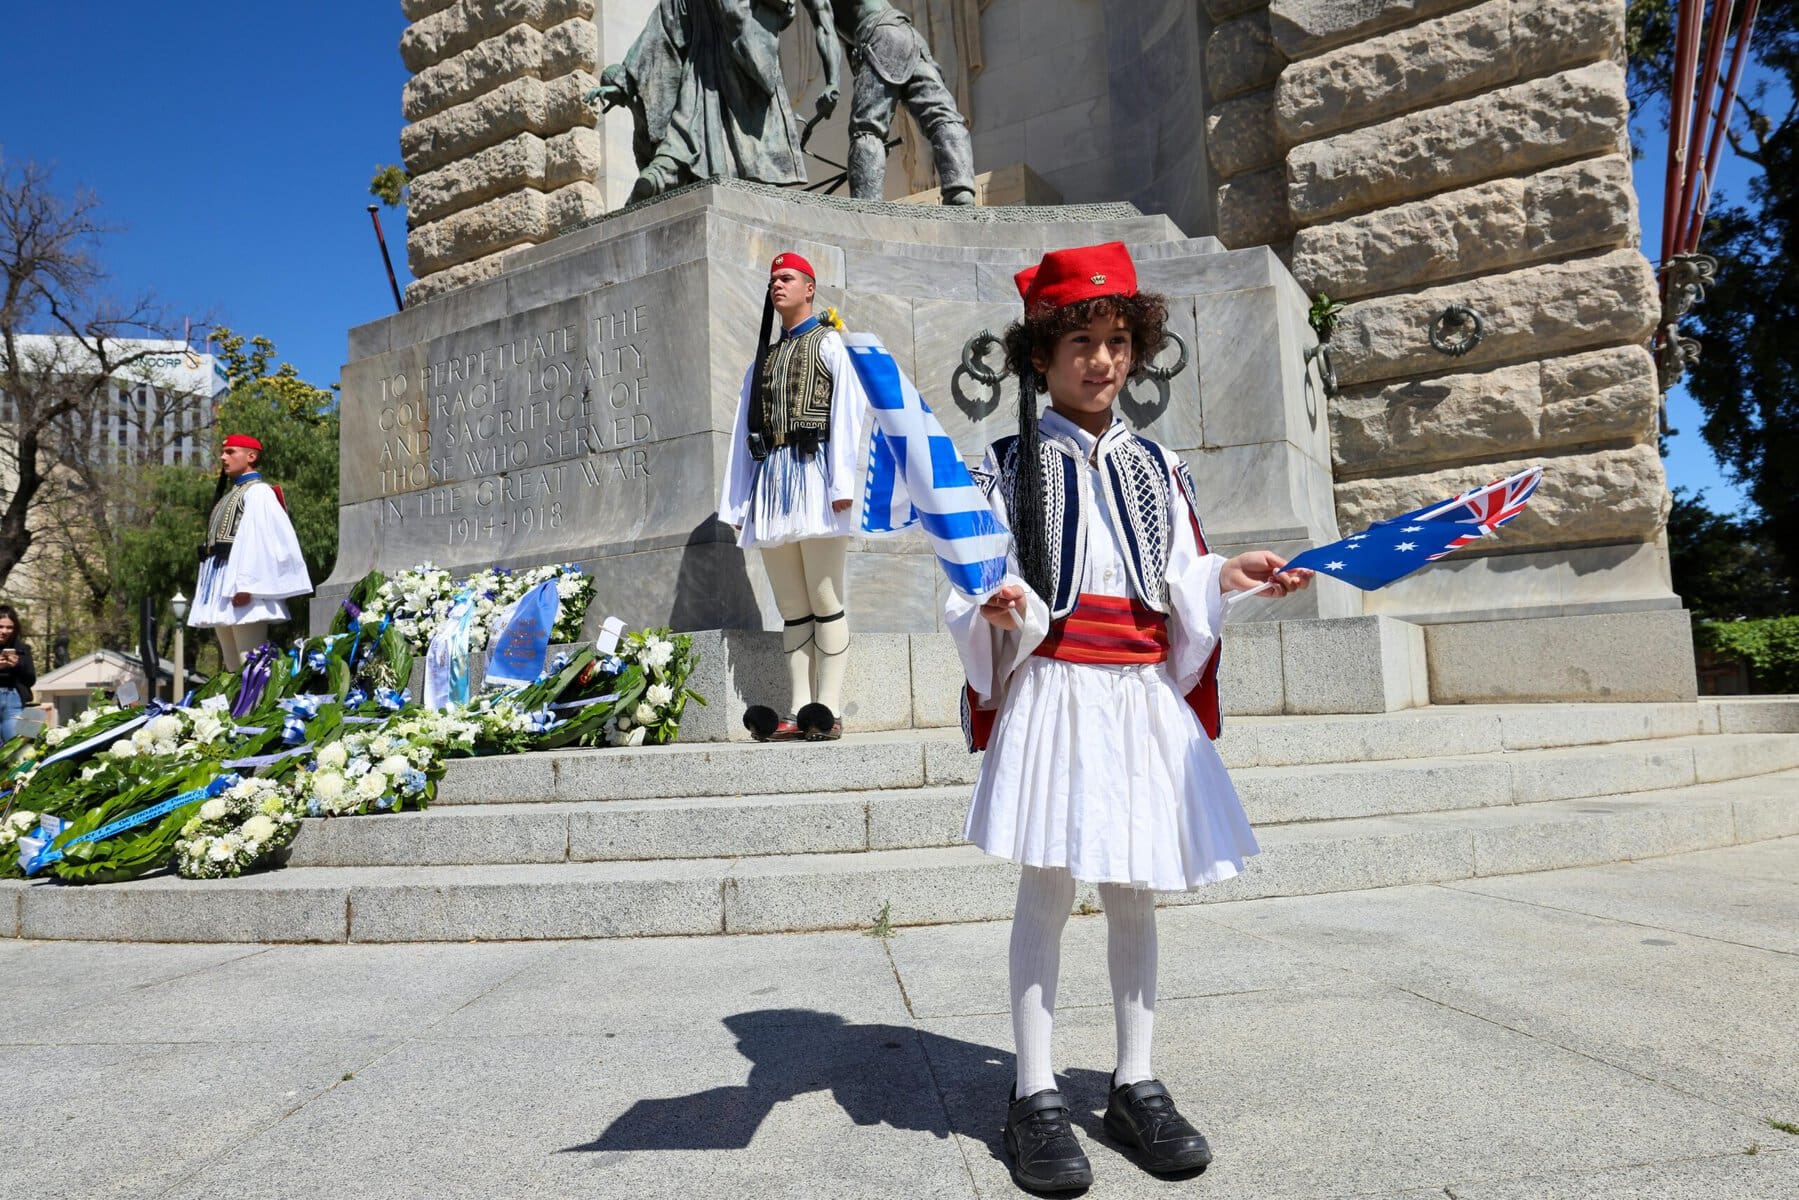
[741, 838]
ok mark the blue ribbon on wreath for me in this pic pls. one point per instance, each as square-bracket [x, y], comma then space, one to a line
[43, 855]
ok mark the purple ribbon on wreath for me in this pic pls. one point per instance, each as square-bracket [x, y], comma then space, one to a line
[258, 666]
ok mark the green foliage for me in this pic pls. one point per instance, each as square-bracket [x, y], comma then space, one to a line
[389, 185]
[1323, 316]
[297, 424]
[1726, 568]
[1769, 648]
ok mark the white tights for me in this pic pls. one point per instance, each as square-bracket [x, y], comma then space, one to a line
[1045, 896]
[808, 581]
[236, 641]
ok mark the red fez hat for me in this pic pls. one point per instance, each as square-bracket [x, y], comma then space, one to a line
[244, 440]
[794, 261]
[1067, 277]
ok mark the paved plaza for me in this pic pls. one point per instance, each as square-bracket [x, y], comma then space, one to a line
[1610, 1031]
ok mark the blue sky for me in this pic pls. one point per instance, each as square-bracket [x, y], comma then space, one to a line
[234, 143]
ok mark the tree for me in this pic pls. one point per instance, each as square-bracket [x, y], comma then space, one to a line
[1747, 381]
[63, 341]
[297, 424]
[1726, 568]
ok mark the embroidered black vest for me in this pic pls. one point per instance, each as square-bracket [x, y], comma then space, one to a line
[794, 408]
[227, 515]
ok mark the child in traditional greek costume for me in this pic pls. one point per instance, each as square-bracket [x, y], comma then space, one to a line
[1092, 687]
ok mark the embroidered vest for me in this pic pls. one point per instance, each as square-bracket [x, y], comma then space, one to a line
[227, 515]
[794, 408]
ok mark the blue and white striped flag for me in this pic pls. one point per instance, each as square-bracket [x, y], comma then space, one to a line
[916, 476]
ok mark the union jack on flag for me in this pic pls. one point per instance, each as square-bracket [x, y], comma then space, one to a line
[1392, 549]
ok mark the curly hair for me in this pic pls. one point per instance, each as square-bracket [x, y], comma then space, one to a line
[1037, 337]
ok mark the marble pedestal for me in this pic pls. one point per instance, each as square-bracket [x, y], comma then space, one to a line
[577, 407]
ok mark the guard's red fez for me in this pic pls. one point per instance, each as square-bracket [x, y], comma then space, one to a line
[1067, 277]
[791, 260]
[244, 440]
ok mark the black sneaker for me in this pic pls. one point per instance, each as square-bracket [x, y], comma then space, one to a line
[1142, 1117]
[1045, 1156]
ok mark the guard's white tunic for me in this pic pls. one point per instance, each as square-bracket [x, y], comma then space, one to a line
[787, 497]
[265, 561]
[1104, 770]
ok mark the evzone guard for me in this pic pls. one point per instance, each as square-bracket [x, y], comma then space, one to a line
[790, 490]
[1092, 686]
[251, 564]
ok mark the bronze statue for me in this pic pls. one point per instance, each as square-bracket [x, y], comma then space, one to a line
[704, 87]
[894, 66]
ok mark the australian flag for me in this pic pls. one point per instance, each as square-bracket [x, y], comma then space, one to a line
[1392, 549]
[916, 476]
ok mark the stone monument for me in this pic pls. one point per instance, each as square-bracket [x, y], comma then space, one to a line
[1454, 171]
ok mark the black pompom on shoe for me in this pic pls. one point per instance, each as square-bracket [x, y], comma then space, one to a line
[761, 721]
[818, 724]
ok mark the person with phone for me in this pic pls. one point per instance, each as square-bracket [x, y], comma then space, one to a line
[16, 673]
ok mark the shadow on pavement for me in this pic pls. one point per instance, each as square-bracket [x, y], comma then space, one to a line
[879, 1074]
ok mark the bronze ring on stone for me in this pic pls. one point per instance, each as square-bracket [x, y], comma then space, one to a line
[1182, 358]
[972, 354]
[1465, 323]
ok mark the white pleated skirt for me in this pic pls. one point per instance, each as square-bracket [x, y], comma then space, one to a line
[1105, 770]
[790, 501]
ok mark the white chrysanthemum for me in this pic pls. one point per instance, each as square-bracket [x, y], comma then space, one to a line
[328, 786]
[644, 715]
[143, 739]
[219, 850]
[333, 755]
[657, 654]
[214, 809]
[22, 819]
[124, 748]
[658, 695]
[259, 828]
[165, 727]
[394, 766]
[208, 728]
[165, 749]
[55, 737]
[272, 805]
[371, 786]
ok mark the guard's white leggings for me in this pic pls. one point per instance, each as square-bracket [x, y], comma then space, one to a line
[809, 584]
[236, 641]
[1045, 896]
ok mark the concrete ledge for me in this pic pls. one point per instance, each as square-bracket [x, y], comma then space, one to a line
[923, 887]
[1638, 656]
[270, 907]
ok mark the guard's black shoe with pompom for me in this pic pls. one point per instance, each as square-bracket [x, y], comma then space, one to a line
[761, 721]
[819, 724]
[1143, 1118]
[1040, 1142]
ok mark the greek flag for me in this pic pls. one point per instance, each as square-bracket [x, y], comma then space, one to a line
[917, 477]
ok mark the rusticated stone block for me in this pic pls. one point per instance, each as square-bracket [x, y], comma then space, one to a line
[1532, 313]
[1549, 34]
[1240, 57]
[1601, 396]
[1498, 225]
[1574, 114]
[1424, 65]
[523, 217]
[519, 51]
[418, 10]
[1302, 28]
[1438, 419]
[451, 278]
[451, 30]
[1240, 134]
[1600, 496]
[522, 106]
[1252, 210]
[525, 161]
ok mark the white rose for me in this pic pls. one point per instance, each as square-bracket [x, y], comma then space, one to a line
[165, 749]
[644, 715]
[213, 810]
[328, 786]
[56, 737]
[371, 786]
[657, 653]
[333, 755]
[124, 748]
[659, 694]
[635, 737]
[165, 727]
[259, 828]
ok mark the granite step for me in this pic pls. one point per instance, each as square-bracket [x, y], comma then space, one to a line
[838, 891]
[938, 757]
[910, 818]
